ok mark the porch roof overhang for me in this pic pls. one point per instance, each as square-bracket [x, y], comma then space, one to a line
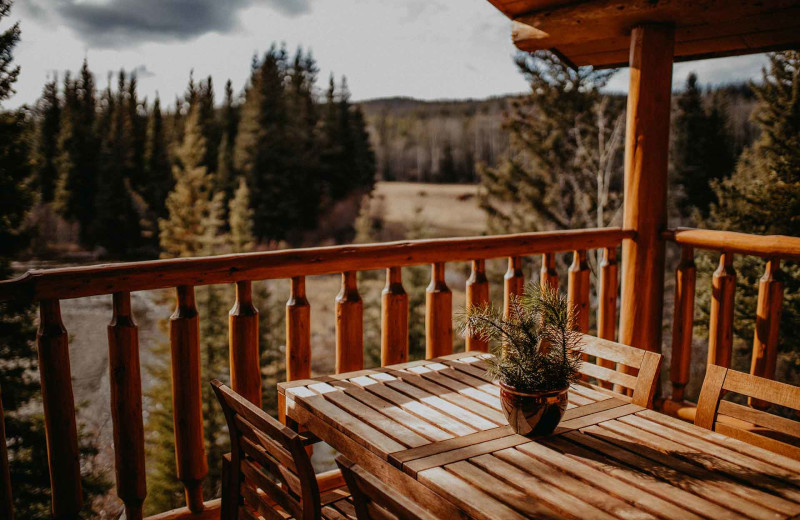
[597, 32]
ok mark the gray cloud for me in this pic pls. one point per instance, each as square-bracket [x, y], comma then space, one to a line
[118, 23]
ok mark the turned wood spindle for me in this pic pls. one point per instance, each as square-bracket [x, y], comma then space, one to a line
[438, 315]
[187, 410]
[63, 456]
[513, 284]
[349, 325]
[683, 323]
[477, 296]
[394, 319]
[720, 330]
[298, 332]
[243, 344]
[548, 276]
[578, 290]
[126, 406]
[607, 303]
[768, 317]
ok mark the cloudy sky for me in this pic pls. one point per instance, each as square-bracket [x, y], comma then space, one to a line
[428, 49]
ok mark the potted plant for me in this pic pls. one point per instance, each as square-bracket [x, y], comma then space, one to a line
[536, 356]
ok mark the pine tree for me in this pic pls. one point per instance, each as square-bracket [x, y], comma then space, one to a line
[78, 154]
[701, 148]
[564, 171]
[226, 178]
[762, 196]
[48, 110]
[240, 220]
[157, 172]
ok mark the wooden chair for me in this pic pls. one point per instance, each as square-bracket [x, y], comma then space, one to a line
[608, 369]
[373, 500]
[268, 473]
[756, 427]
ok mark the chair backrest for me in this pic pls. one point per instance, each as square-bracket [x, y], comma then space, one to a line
[756, 427]
[608, 368]
[268, 464]
[373, 500]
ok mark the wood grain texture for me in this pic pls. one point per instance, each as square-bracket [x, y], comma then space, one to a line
[349, 325]
[477, 295]
[765, 246]
[245, 365]
[683, 322]
[125, 384]
[513, 284]
[768, 318]
[75, 282]
[578, 289]
[720, 327]
[548, 274]
[438, 315]
[607, 298]
[187, 408]
[59, 413]
[298, 331]
[646, 157]
[394, 319]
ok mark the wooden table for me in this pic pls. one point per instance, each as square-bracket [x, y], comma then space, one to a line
[434, 431]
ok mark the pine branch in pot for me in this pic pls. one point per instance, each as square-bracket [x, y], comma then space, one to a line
[536, 356]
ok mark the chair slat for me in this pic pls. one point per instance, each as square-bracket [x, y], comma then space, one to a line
[759, 418]
[761, 441]
[761, 388]
[613, 351]
[605, 374]
[277, 493]
[263, 458]
[273, 448]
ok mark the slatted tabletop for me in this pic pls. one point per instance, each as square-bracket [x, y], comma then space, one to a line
[434, 430]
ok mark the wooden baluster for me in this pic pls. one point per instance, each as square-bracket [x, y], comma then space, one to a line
[578, 290]
[513, 283]
[126, 406]
[438, 315]
[349, 325]
[394, 319]
[477, 295]
[59, 412]
[683, 323]
[607, 303]
[768, 317]
[6, 498]
[298, 338]
[720, 330]
[243, 344]
[548, 275]
[187, 410]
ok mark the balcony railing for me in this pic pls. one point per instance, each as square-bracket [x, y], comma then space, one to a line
[49, 287]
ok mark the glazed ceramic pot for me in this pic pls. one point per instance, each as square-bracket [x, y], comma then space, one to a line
[533, 414]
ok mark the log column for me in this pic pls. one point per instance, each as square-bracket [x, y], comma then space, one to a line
[646, 155]
[768, 317]
[683, 323]
[298, 332]
[548, 276]
[607, 303]
[720, 328]
[394, 319]
[59, 413]
[513, 284]
[187, 409]
[243, 345]
[349, 325]
[578, 290]
[477, 296]
[126, 406]
[438, 315]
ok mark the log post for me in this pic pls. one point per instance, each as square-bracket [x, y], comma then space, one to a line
[438, 315]
[187, 409]
[6, 498]
[683, 323]
[125, 384]
[477, 295]
[243, 344]
[349, 325]
[59, 413]
[607, 303]
[768, 317]
[298, 332]
[646, 155]
[578, 290]
[720, 329]
[394, 319]
[548, 276]
[513, 284]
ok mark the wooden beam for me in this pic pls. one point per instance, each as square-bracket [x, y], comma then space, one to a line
[645, 211]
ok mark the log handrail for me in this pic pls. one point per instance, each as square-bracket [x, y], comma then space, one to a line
[764, 246]
[76, 282]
